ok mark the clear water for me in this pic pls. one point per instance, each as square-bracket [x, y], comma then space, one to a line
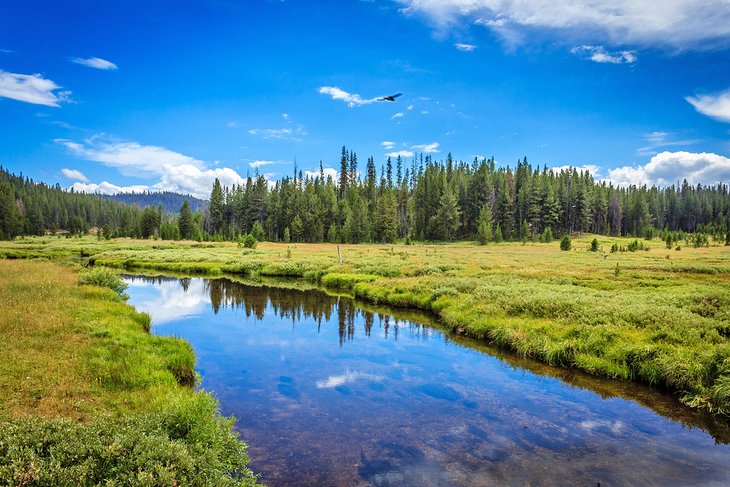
[327, 392]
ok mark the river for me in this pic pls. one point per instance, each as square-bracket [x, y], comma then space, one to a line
[328, 391]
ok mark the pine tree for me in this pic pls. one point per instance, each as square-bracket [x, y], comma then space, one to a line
[447, 216]
[216, 207]
[10, 222]
[498, 234]
[185, 221]
[297, 229]
[484, 226]
[386, 219]
[258, 231]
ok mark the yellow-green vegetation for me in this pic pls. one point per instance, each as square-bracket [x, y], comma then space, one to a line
[656, 315]
[88, 397]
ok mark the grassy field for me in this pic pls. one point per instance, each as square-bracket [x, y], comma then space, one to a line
[659, 316]
[88, 396]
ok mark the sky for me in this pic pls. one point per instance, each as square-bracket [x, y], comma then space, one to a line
[169, 95]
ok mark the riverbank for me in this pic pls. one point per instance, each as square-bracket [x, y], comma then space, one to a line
[88, 396]
[659, 316]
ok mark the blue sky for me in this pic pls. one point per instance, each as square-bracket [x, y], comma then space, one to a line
[169, 95]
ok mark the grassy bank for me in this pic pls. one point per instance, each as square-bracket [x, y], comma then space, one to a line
[88, 396]
[660, 316]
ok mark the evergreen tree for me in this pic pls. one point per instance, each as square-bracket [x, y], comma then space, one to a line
[484, 226]
[447, 216]
[185, 221]
[297, 229]
[10, 222]
[257, 231]
[386, 220]
[216, 208]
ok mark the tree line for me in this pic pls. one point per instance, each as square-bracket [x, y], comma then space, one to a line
[419, 199]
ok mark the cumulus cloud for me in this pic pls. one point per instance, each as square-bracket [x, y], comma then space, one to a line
[352, 99]
[174, 171]
[106, 187]
[678, 24]
[328, 172]
[257, 164]
[74, 175]
[427, 148]
[668, 168]
[465, 47]
[402, 153]
[715, 105]
[388, 145]
[95, 62]
[599, 54]
[31, 88]
[591, 168]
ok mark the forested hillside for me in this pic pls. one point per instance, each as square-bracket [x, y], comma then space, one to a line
[420, 199]
[169, 201]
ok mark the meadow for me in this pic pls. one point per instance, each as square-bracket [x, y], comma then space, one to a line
[89, 397]
[660, 316]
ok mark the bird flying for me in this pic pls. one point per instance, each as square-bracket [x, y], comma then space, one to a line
[389, 97]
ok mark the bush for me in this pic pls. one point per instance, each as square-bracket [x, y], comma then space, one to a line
[594, 245]
[566, 243]
[189, 444]
[250, 242]
[103, 277]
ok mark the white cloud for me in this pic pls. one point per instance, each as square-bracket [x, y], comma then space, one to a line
[257, 164]
[285, 133]
[106, 187]
[232, 125]
[715, 105]
[657, 139]
[675, 24]
[427, 148]
[74, 175]
[95, 62]
[387, 145]
[31, 88]
[176, 172]
[668, 168]
[352, 99]
[328, 171]
[410, 107]
[402, 153]
[348, 377]
[599, 54]
[398, 115]
[465, 47]
[285, 116]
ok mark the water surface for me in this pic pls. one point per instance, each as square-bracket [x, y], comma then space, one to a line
[328, 392]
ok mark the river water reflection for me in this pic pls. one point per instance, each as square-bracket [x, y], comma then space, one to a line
[330, 393]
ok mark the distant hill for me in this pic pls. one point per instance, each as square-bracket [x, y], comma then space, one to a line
[171, 202]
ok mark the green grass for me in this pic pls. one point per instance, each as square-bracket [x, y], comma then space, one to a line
[662, 319]
[88, 395]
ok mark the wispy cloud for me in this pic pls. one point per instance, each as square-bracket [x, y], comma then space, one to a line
[31, 88]
[668, 168]
[352, 99]
[465, 47]
[679, 24]
[387, 145]
[258, 164]
[398, 115]
[6, 51]
[715, 105]
[599, 54]
[657, 140]
[427, 148]
[173, 171]
[286, 133]
[402, 153]
[74, 175]
[95, 62]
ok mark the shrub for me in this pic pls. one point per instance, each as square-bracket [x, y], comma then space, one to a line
[250, 242]
[103, 277]
[189, 444]
[566, 243]
[594, 245]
